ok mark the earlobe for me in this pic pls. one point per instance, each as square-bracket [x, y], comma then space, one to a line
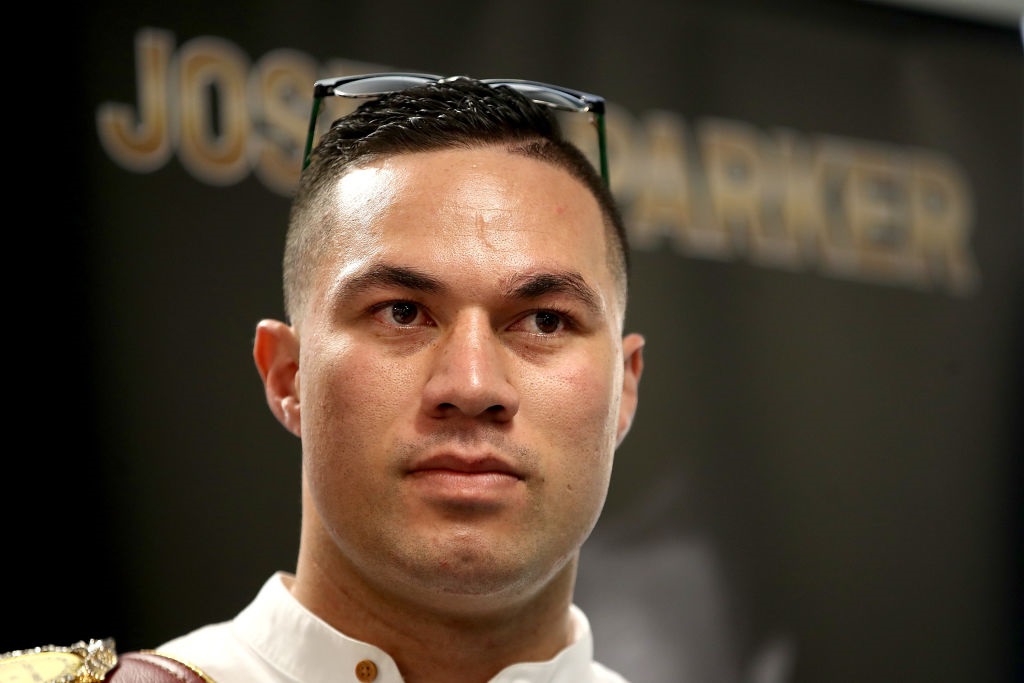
[276, 352]
[633, 367]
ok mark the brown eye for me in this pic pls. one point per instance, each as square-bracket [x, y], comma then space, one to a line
[404, 312]
[547, 322]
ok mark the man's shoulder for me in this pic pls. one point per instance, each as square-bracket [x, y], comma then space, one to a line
[204, 637]
[212, 648]
[602, 674]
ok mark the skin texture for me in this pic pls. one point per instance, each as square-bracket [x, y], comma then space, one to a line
[460, 380]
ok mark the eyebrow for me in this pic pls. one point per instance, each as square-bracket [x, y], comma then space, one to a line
[540, 284]
[382, 275]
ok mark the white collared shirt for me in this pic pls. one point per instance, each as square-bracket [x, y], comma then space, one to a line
[275, 639]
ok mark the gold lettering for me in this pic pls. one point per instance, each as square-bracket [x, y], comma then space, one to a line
[942, 213]
[800, 198]
[837, 249]
[215, 124]
[660, 193]
[140, 141]
[734, 179]
[877, 209]
[669, 191]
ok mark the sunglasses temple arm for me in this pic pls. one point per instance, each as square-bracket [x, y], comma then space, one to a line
[317, 101]
[603, 148]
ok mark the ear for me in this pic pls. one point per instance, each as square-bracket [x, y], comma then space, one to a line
[276, 352]
[633, 362]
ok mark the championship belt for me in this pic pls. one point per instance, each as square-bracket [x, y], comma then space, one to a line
[95, 662]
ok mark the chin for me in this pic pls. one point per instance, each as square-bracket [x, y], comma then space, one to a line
[471, 581]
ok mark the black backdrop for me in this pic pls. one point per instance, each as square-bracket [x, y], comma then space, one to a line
[823, 482]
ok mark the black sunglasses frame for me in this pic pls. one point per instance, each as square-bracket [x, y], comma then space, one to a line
[367, 86]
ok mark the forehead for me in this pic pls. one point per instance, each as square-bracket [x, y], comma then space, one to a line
[483, 209]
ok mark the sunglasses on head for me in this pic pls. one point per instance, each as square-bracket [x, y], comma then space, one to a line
[366, 86]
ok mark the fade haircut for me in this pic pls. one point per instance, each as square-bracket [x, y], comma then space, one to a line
[454, 113]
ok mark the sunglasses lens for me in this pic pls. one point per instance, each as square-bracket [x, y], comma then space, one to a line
[379, 85]
[543, 95]
[582, 132]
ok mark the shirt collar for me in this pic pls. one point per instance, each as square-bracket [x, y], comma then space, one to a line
[304, 647]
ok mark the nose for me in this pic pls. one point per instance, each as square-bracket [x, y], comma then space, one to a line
[469, 373]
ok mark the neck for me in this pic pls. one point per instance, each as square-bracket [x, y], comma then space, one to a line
[441, 638]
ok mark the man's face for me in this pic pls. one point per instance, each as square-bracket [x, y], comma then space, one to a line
[461, 376]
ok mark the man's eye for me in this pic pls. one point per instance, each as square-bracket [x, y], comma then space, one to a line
[547, 322]
[404, 312]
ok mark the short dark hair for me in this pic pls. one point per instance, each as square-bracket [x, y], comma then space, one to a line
[460, 112]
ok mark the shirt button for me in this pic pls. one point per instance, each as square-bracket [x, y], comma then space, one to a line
[366, 671]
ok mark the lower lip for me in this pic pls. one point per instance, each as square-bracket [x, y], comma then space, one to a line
[464, 487]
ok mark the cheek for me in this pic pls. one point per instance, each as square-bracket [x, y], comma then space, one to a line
[578, 407]
[584, 388]
[347, 402]
[578, 416]
[343, 381]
